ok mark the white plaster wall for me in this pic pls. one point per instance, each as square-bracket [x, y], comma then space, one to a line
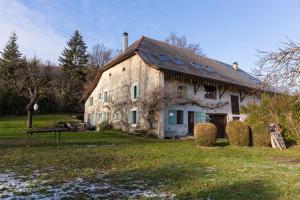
[118, 81]
[182, 129]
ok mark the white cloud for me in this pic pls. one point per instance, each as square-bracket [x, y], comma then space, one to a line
[36, 36]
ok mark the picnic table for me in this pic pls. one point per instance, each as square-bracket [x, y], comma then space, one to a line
[29, 133]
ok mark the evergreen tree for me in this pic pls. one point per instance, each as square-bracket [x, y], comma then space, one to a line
[10, 60]
[73, 61]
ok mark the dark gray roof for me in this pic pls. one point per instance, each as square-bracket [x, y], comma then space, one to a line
[166, 57]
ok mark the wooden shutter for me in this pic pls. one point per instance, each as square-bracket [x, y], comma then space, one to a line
[200, 117]
[137, 117]
[129, 117]
[137, 90]
[172, 117]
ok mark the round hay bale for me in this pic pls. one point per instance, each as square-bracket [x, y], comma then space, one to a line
[238, 133]
[205, 134]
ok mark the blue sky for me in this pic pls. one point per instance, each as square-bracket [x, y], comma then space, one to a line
[228, 31]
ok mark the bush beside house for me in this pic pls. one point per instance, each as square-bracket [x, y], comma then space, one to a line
[238, 133]
[205, 134]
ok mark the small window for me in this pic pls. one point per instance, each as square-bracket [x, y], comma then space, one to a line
[178, 61]
[134, 118]
[179, 116]
[197, 65]
[100, 95]
[172, 117]
[236, 118]
[117, 115]
[164, 58]
[180, 91]
[109, 74]
[105, 96]
[91, 101]
[210, 92]
[135, 92]
[123, 69]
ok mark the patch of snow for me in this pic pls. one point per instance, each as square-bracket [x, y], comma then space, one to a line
[13, 186]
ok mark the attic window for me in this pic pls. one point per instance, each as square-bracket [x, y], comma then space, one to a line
[109, 74]
[123, 69]
[178, 61]
[209, 69]
[164, 58]
[197, 65]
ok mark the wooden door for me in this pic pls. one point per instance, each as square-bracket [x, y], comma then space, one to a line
[191, 122]
[220, 122]
[235, 106]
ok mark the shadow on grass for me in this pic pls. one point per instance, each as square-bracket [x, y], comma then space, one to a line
[175, 179]
[74, 139]
[253, 189]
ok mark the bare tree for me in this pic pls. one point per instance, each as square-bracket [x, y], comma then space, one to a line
[181, 42]
[281, 68]
[100, 55]
[31, 81]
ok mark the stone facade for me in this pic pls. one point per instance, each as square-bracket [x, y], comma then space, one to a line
[129, 91]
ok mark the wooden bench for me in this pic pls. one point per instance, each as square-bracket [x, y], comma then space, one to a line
[29, 133]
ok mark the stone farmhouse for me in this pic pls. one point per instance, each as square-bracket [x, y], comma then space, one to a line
[153, 87]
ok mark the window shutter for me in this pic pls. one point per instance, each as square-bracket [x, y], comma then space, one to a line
[200, 117]
[137, 90]
[95, 118]
[132, 92]
[137, 117]
[172, 117]
[129, 117]
[185, 91]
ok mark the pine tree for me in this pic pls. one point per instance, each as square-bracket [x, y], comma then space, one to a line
[73, 61]
[11, 58]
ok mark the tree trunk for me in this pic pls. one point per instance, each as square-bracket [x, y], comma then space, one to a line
[29, 118]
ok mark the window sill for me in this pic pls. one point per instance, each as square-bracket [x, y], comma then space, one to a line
[134, 125]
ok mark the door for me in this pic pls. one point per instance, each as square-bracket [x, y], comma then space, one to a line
[220, 122]
[235, 107]
[191, 122]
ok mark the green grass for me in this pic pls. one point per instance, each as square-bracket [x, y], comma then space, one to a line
[179, 167]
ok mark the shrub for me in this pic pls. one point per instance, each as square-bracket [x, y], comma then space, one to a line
[105, 125]
[283, 110]
[260, 134]
[205, 134]
[238, 133]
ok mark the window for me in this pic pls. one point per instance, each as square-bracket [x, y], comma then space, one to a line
[180, 90]
[197, 65]
[175, 117]
[105, 96]
[100, 95]
[164, 58]
[135, 93]
[178, 61]
[236, 118]
[179, 116]
[91, 101]
[172, 117]
[134, 118]
[210, 92]
[235, 107]
[117, 115]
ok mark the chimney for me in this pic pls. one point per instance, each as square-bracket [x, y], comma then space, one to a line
[235, 65]
[125, 41]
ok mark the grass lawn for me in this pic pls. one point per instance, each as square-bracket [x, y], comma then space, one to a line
[112, 164]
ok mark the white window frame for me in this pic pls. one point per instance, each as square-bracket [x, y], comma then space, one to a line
[107, 97]
[137, 120]
[133, 98]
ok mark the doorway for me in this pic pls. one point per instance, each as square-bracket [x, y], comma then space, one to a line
[220, 121]
[191, 122]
